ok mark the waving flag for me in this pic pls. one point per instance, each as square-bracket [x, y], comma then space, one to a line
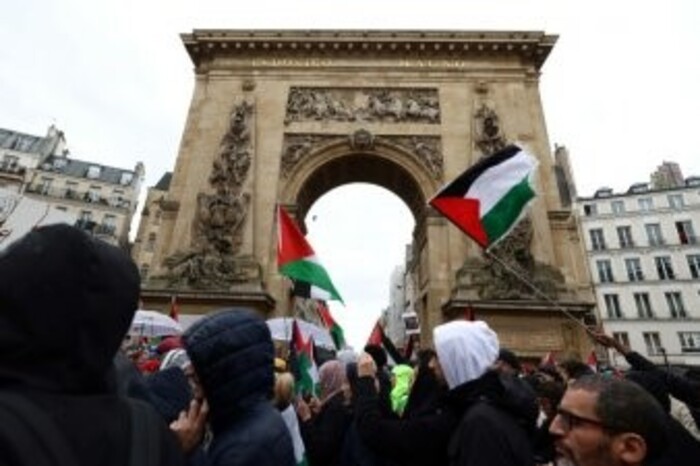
[297, 260]
[331, 325]
[303, 363]
[488, 199]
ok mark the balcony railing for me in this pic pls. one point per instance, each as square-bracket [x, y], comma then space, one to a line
[97, 229]
[12, 168]
[80, 196]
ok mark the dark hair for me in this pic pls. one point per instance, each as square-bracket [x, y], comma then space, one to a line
[623, 406]
[510, 358]
[378, 354]
[424, 357]
[575, 368]
[654, 382]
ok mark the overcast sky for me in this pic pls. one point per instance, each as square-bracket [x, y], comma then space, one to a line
[620, 90]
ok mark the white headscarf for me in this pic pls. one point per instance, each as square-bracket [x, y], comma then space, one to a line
[465, 350]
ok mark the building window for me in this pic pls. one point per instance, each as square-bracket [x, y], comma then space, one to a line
[643, 303]
[617, 207]
[652, 340]
[61, 208]
[590, 209]
[624, 235]
[622, 338]
[690, 342]
[645, 204]
[597, 239]
[675, 201]
[93, 172]
[605, 274]
[654, 235]
[85, 215]
[664, 268]
[686, 234]
[675, 305]
[126, 178]
[93, 194]
[612, 306]
[44, 185]
[694, 265]
[634, 269]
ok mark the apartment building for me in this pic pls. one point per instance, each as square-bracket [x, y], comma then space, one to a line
[103, 198]
[644, 257]
[149, 229]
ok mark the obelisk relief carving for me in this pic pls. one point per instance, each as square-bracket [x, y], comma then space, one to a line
[213, 260]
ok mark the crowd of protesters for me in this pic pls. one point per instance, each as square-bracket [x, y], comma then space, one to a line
[219, 395]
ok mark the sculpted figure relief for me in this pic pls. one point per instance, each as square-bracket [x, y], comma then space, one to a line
[493, 282]
[489, 136]
[385, 105]
[217, 229]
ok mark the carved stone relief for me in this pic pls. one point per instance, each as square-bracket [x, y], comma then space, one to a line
[217, 229]
[382, 105]
[489, 136]
[426, 149]
[492, 281]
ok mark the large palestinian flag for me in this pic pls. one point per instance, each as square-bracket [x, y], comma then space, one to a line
[488, 199]
[297, 260]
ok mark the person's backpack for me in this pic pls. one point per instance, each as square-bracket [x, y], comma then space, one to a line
[29, 437]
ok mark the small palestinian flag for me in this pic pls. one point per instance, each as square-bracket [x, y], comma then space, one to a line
[488, 199]
[331, 325]
[297, 260]
[304, 367]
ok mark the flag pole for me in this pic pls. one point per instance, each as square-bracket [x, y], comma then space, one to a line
[534, 288]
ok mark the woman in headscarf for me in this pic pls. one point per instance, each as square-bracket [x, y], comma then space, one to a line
[324, 432]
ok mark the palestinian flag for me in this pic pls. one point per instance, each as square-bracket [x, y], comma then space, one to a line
[378, 338]
[331, 325]
[304, 363]
[488, 199]
[297, 260]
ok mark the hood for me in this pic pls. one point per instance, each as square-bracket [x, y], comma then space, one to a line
[232, 353]
[66, 302]
[466, 350]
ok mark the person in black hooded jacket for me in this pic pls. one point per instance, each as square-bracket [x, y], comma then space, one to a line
[233, 359]
[66, 302]
[497, 417]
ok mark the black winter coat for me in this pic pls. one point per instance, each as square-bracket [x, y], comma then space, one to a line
[418, 440]
[325, 433]
[232, 354]
[497, 423]
[66, 302]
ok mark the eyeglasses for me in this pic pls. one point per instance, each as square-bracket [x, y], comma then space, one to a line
[569, 420]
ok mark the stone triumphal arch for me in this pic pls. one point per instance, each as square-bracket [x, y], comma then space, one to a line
[286, 116]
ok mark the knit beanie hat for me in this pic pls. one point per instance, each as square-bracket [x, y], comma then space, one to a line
[466, 350]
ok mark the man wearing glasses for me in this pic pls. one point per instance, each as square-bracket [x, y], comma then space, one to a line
[605, 422]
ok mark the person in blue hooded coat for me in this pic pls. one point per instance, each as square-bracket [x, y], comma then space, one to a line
[232, 356]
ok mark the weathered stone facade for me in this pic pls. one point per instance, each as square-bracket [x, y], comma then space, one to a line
[285, 116]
